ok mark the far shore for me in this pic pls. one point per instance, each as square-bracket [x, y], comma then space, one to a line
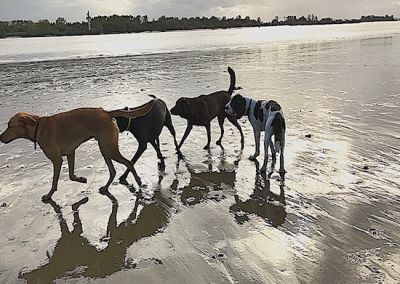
[240, 23]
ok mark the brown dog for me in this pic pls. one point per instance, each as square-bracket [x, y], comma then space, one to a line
[203, 109]
[60, 134]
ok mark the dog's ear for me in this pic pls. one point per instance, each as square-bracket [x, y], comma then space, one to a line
[27, 119]
[186, 102]
[183, 104]
[239, 105]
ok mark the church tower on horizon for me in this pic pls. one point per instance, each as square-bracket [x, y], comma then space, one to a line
[89, 21]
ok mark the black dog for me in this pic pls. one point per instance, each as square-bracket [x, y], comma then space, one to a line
[147, 129]
[201, 110]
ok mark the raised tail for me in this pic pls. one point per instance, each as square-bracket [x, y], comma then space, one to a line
[233, 80]
[133, 112]
[279, 127]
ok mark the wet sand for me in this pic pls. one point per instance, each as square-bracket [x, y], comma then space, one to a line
[211, 218]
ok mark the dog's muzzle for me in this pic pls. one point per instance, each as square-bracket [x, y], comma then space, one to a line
[2, 140]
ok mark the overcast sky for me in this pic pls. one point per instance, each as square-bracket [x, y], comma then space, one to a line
[74, 10]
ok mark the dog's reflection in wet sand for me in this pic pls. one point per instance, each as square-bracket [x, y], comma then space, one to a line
[262, 202]
[74, 256]
[209, 184]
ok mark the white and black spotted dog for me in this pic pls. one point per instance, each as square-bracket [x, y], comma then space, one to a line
[264, 116]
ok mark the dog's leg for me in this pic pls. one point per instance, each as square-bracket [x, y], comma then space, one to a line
[61, 220]
[186, 134]
[112, 171]
[257, 134]
[170, 126]
[77, 220]
[221, 120]
[109, 149]
[120, 159]
[273, 152]
[208, 128]
[142, 147]
[236, 123]
[71, 169]
[269, 129]
[268, 135]
[159, 155]
[57, 162]
[282, 160]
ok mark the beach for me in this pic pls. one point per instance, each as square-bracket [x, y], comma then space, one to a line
[211, 217]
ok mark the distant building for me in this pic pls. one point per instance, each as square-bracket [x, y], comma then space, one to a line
[89, 21]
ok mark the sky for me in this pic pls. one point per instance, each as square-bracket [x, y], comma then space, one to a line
[75, 10]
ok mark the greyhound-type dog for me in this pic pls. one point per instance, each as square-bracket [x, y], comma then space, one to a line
[60, 134]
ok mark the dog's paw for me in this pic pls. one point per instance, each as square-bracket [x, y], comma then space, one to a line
[253, 157]
[81, 179]
[161, 165]
[207, 147]
[218, 142]
[123, 182]
[103, 189]
[46, 197]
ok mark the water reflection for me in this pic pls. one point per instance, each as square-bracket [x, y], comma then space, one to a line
[74, 256]
[209, 184]
[262, 202]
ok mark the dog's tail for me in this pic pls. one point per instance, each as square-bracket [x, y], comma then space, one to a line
[153, 96]
[233, 80]
[133, 112]
[279, 127]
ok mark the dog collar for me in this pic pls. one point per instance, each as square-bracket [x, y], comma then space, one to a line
[35, 135]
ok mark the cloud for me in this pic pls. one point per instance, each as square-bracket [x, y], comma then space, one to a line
[75, 10]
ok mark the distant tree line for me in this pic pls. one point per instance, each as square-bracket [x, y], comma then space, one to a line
[132, 24]
[120, 24]
[313, 20]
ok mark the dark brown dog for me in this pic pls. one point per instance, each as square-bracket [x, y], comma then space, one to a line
[60, 134]
[203, 109]
[147, 129]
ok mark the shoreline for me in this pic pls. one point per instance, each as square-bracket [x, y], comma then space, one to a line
[10, 59]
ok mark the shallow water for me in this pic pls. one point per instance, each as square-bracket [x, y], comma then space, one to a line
[211, 217]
